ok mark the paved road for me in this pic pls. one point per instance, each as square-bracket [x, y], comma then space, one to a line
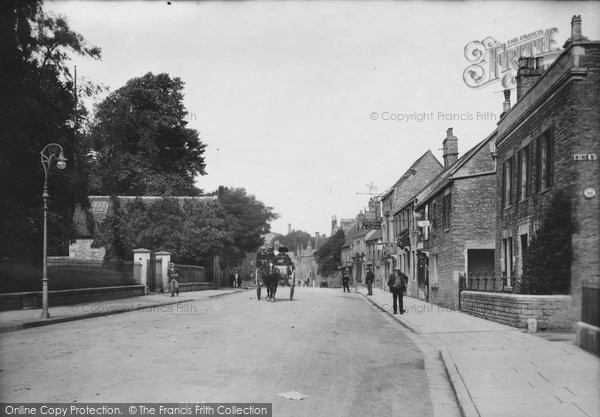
[325, 344]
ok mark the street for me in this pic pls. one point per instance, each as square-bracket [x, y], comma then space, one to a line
[330, 346]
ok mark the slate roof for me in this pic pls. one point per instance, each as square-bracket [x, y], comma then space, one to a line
[375, 236]
[406, 174]
[443, 179]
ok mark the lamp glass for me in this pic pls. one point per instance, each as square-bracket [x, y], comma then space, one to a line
[61, 161]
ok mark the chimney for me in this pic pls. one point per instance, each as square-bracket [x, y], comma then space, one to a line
[576, 34]
[289, 228]
[506, 104]
[530, 69]
[450, 148]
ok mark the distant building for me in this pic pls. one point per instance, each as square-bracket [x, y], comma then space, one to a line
[306, 266]
[345, 225]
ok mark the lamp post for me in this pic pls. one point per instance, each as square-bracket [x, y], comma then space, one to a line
[50, 152]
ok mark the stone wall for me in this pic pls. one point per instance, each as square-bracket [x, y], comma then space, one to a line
[82, 249]
[552, 312]
[196, 286]
[21, 300]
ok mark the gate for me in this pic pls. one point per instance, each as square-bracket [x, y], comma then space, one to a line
[154, 274]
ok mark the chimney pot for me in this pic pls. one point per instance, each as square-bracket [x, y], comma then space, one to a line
[522, 62]
[506, 104]
[539, 63]
[450, 147]
[576, 34]
[530, 63]
[576, 27]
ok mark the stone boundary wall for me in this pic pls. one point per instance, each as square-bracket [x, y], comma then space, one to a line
[22, 300]
[550, 311]
[196, 286]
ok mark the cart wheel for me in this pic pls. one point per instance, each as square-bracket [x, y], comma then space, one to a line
[258, 292]
[291, 293]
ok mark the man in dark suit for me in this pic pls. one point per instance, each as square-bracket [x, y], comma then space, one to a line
[345, 280]
[369, 280]
[397, 283]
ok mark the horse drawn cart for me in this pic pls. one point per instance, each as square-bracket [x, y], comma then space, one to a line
[274, 269]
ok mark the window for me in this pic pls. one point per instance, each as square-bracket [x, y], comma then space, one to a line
[524, 248]
[507, 265]
[98, 206]
[545, 161]
[446, 211]
[433, 216]
[507, 182]
[523, 175]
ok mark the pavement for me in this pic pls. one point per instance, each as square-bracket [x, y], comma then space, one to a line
[22, 319]
[501, 371]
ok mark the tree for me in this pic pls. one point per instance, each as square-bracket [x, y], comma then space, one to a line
[38, 107]
[247, 220]
[547, 263]
[329, 256]
[193, 231]
[141, 143]
[296, 239]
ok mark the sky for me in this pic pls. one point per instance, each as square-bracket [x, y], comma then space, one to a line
[305, 104]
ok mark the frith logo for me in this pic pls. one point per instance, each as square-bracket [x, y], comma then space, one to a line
[492, 61]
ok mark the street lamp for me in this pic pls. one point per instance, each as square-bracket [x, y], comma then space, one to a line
[50, 151]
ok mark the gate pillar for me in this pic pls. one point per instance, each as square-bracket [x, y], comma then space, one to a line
[164, 258]
[141, 257]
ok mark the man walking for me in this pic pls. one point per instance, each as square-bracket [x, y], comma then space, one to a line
[345, 280]
[370, 279]
[397, 283]
[173, 274]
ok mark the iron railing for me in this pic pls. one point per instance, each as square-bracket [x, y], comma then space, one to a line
[487, 283]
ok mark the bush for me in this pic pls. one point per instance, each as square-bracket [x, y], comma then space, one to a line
[329, 256]
[547, 262]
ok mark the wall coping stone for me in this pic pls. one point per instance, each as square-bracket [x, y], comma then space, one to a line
[74, 290]
[517, 296]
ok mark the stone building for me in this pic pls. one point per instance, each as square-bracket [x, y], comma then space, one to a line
[306, 266]
[549, 142]
[345, 225]
[374, 257]
[347, 255]
[450, 223]
[422, 171]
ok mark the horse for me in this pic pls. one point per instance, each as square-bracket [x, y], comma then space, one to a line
[270, 276]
